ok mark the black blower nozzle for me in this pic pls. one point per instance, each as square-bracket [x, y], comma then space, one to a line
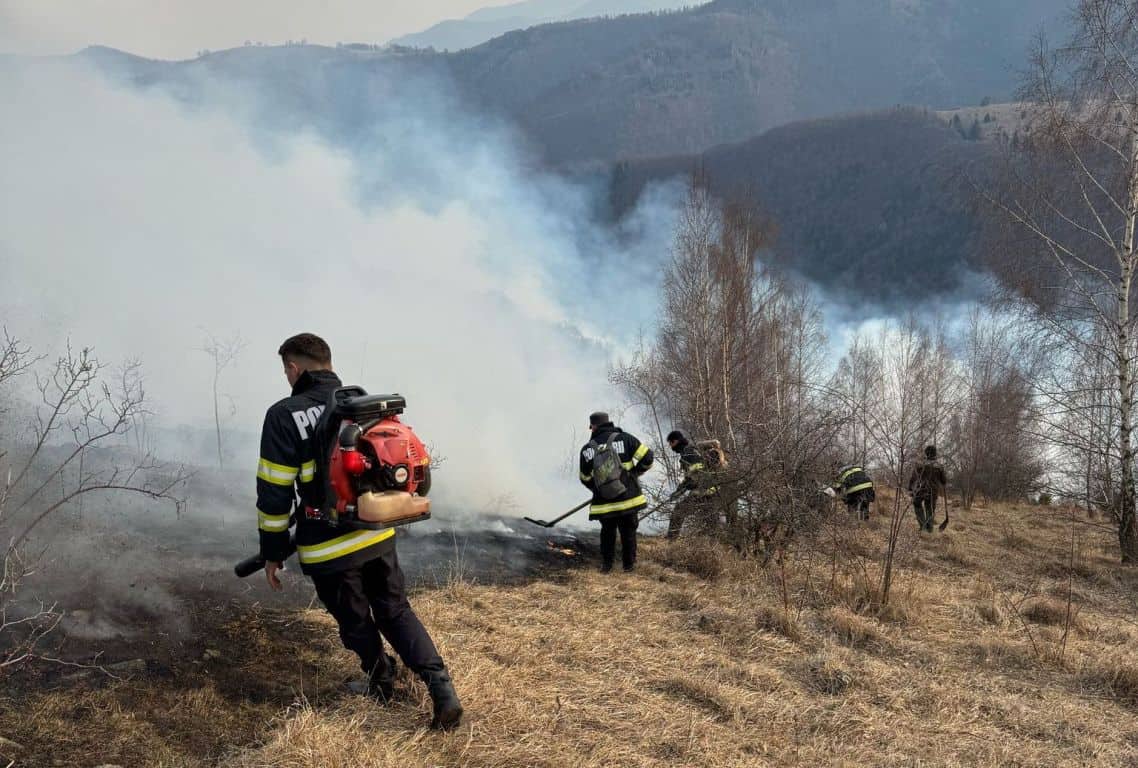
[254, 563]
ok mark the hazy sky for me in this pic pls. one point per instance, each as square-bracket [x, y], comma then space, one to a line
[180, 28]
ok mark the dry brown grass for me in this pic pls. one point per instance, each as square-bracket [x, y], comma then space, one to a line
[780, 621]
[955, 550]
[696, 555]
[1119, 680]
[682, 663]
[827, 672]
[853, 630]
[1050, 612]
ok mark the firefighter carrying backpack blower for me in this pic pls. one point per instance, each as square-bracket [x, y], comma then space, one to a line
[611, 464]
[358, 472]
[699, 463]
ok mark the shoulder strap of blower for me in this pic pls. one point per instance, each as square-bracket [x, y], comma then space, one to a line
[324, 437]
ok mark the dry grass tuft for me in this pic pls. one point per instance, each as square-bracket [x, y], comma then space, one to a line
[999, 652]
[906, 606]
[1119, 680]
[776, 619]
[696, 555]
[954, 550]
[992, 612]
[853, 630]
[1049, 612]
[856, 593]
[682, 600]
[1109, 633]
[1062, 567]
[702, 694]
[825, 672]
[1012, 539]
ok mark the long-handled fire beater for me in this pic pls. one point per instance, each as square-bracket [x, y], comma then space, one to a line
[582, 505]
[376, 470]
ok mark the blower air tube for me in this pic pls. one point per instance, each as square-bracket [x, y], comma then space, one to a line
[254, 563]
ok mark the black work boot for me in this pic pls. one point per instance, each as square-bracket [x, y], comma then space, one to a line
[606, 567]
[447, 707]
[380, 684]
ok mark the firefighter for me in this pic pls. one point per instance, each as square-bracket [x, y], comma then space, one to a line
[356, 572]
[926, 484]
[855, 487]
[696, 484]
[617, 498]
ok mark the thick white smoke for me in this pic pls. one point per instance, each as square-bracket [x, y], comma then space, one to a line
[132, 224]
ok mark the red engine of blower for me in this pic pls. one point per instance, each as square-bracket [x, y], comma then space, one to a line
[379, 469]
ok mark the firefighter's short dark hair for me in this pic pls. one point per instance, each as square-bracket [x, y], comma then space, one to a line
[306, 346]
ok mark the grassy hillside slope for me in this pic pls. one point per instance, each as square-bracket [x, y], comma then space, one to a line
[1010, 641]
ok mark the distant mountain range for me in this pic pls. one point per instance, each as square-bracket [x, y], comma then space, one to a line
[869, 205]
[598, 90]
[726, 71]
[488, 23]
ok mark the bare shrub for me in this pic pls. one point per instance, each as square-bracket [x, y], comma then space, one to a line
[77, 447]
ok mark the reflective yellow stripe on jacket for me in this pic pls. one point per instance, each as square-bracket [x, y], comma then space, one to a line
[842, 477]
[618, 506]
[272, 523]
[862, 487]
[277, 474]
[307, 471]
[641, 452]
[342, 545]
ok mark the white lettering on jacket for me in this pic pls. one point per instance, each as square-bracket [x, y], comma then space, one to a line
[617, 445]
[306, 419]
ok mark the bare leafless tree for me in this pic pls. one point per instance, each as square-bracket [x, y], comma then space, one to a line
[891, 406]
[223, 353]
[1072, 198]
[76, 448]
[994, 431]
[732, 360]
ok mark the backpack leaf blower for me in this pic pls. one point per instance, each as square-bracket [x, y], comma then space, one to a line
[374, 469]
[378, 471]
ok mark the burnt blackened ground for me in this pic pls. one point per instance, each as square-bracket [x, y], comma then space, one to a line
[139, 593]
[155, 624]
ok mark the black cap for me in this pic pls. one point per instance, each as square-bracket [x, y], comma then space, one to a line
[930, 452]
[599, 418]
[676, 434]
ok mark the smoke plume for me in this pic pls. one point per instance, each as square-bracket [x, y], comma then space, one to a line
[431, 259]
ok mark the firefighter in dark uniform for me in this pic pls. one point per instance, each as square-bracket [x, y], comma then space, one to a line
[855, 487]
[697, 484]
[620, 513]
[926, 485]
[356, 572]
